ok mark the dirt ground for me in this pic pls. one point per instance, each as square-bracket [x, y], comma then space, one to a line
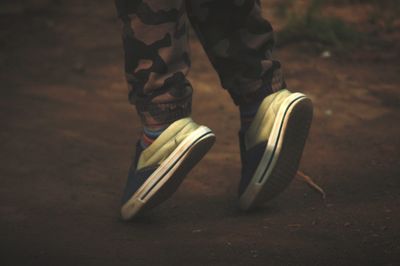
[67, 137]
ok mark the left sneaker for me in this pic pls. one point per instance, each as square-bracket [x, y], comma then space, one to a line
[271, 148]
[158, 170]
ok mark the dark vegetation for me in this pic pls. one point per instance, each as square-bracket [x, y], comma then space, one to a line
[310, 24]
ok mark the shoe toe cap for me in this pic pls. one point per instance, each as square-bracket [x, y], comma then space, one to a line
[251, 160]
[136, 178]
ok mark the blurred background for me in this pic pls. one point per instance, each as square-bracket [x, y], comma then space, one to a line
[67, 136]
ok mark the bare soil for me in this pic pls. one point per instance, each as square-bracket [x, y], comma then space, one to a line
[67, 137]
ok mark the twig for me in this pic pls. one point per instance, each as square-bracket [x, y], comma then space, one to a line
[311, 183]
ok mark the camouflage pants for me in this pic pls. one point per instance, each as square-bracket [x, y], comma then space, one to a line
[235, 36]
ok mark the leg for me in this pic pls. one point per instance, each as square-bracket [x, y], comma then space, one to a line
[275, 122]
[239, 42]
[156, 59]
[156, 64]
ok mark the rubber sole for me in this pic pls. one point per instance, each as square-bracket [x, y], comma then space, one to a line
[169, 175]
[283, 152]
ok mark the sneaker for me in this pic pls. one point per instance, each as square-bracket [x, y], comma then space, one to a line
[272, 147]
[157, 171]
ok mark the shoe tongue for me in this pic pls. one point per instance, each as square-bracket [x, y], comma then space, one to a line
[262, 124]
[167, 142]
[279, 99]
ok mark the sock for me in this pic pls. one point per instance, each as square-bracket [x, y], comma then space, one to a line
[247, 114]
[150, 135]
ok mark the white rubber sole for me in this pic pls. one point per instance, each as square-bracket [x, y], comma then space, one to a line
[282, 154]
[168, 176]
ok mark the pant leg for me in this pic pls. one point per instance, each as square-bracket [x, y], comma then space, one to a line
[239, 42]
[155, 43]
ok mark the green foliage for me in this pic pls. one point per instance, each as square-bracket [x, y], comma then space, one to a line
[323, 31]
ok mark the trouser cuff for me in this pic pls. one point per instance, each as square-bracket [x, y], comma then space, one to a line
[154, 114]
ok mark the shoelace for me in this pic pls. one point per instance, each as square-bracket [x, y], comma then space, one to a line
[310, 182]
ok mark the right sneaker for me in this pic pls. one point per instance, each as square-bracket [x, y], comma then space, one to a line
[158, 170]
[272, 146]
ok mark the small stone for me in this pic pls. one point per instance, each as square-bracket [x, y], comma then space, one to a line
[328, 112]
[326, 54]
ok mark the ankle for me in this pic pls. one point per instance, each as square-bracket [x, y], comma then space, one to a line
[150, 134]
[247, 114]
